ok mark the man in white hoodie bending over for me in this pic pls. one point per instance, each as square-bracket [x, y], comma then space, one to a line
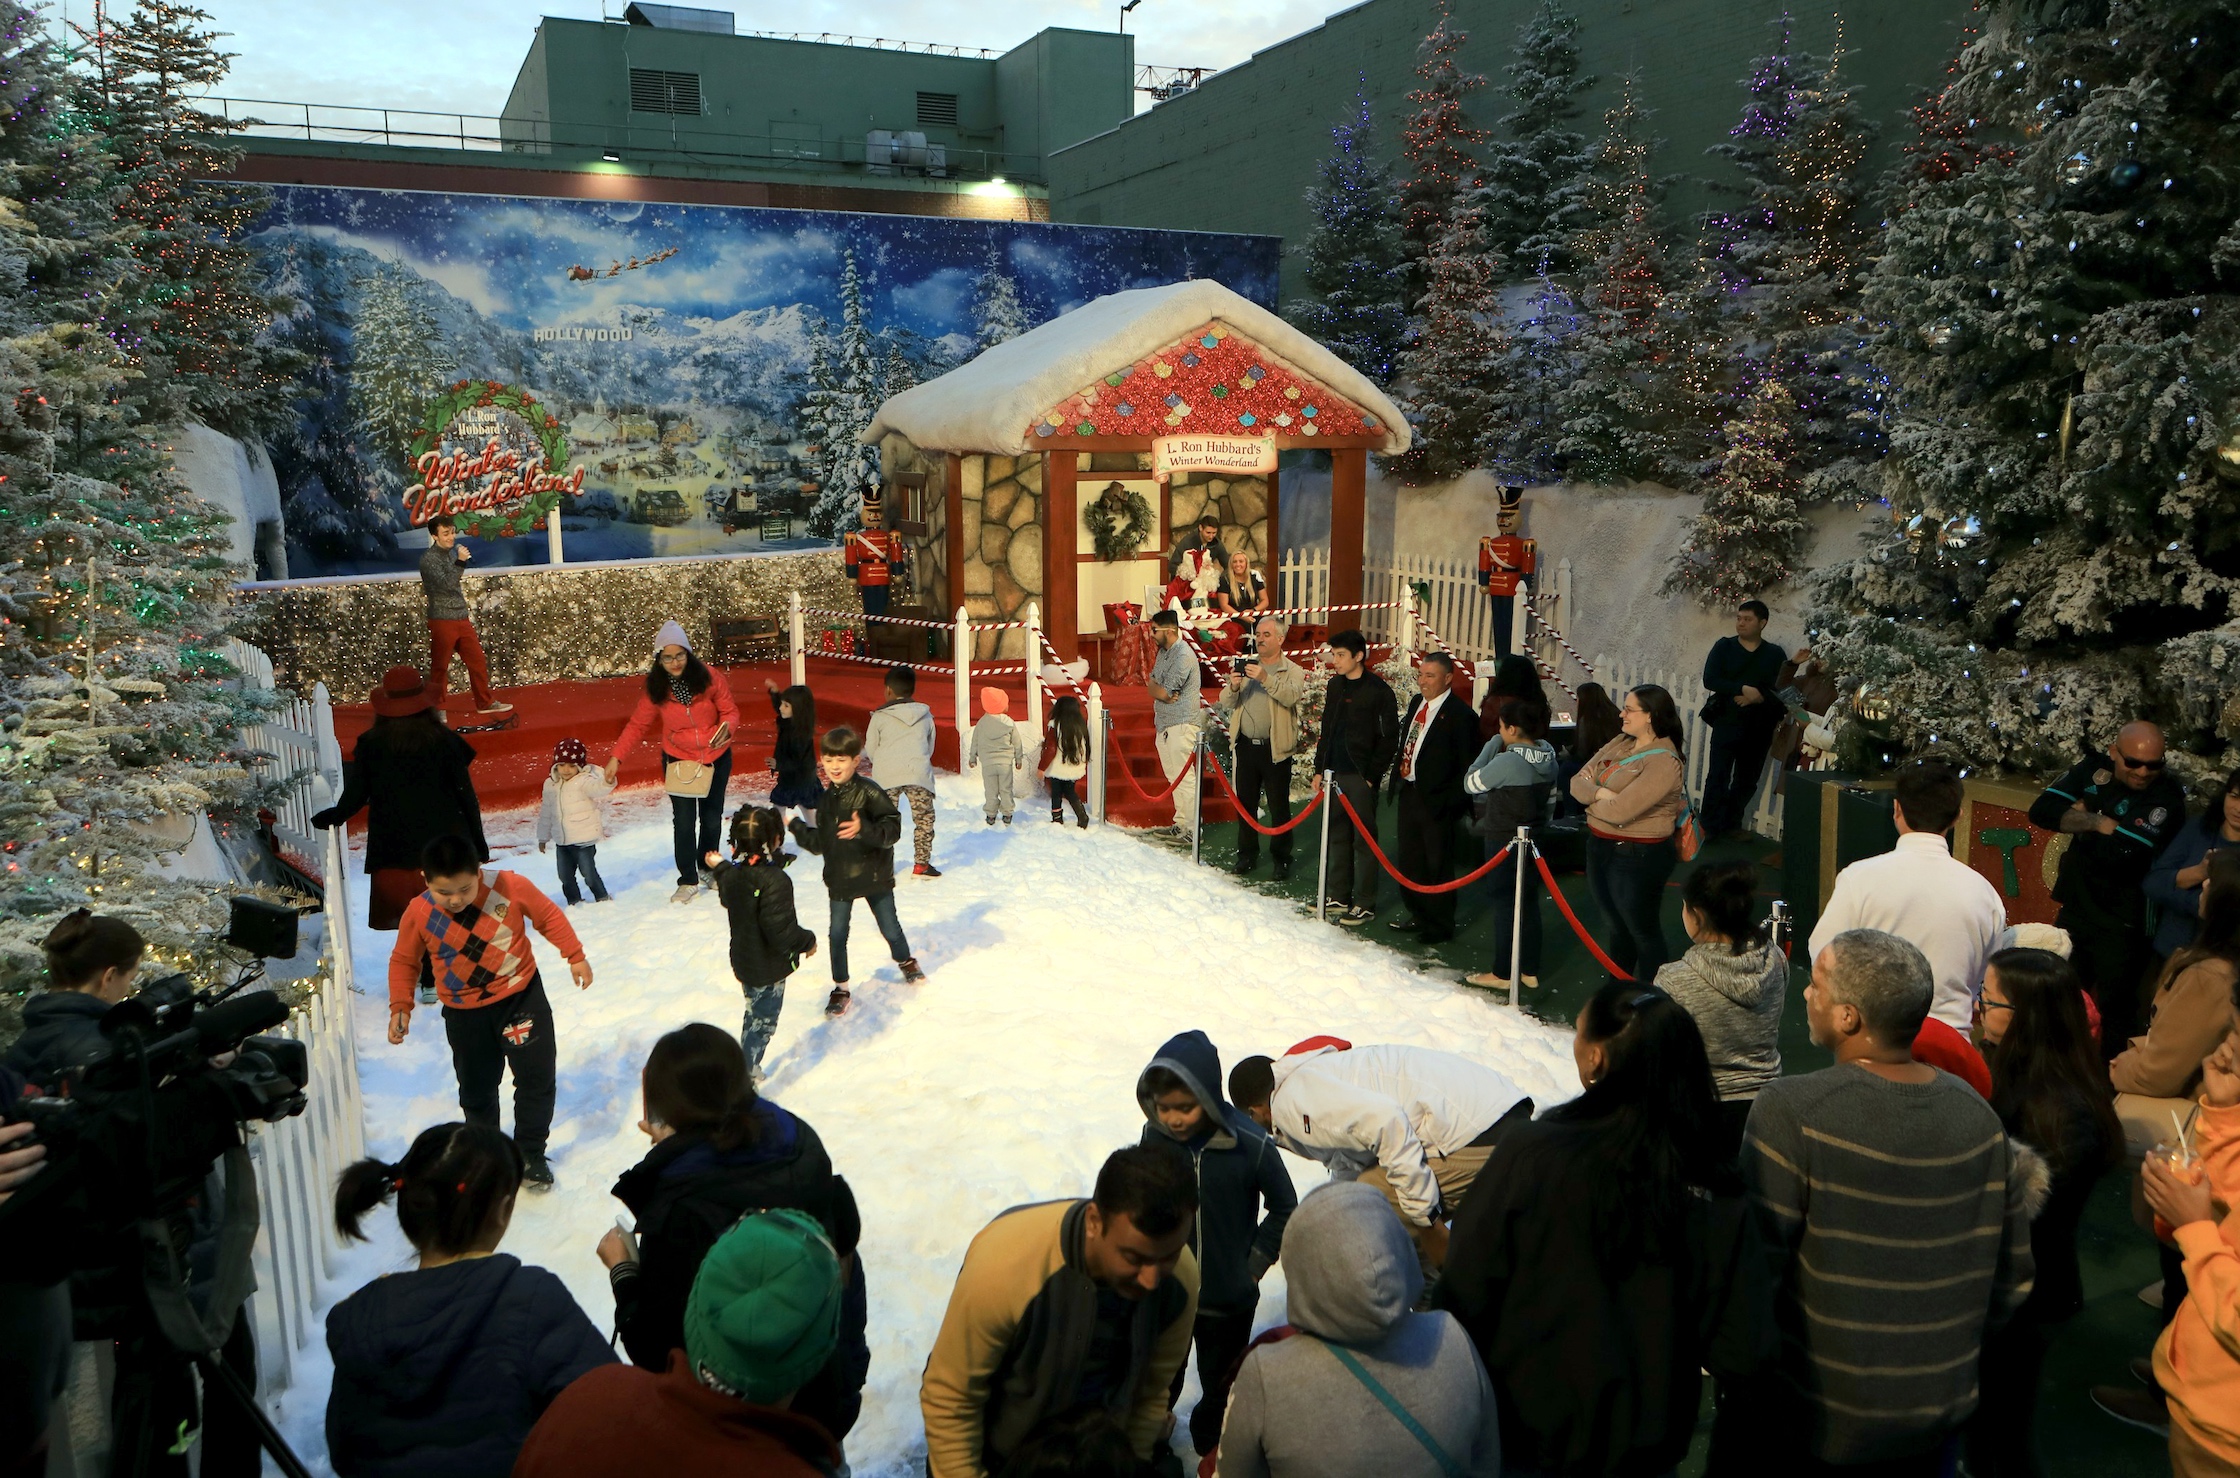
[1415, 1123]
[899, 744]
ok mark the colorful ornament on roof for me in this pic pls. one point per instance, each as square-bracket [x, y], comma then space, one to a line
[1213, 380]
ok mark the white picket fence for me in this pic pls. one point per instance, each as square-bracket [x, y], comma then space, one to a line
[1456, 605]
[297, 741]
[1762, 813]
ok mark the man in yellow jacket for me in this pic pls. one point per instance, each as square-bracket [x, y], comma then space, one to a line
[1066, 1305]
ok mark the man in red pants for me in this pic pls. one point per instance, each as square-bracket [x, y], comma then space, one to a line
[450, 623]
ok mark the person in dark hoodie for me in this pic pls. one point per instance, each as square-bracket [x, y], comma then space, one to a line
[767, 941]
[441, 1371]
[1239, 1170]
[856, 828]
[719, 1152]
[1510, 784]
[1360, 735]
[1613, 1259]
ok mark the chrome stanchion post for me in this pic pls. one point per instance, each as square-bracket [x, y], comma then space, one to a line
[1520, 857]
[1778, 925]
[1198, 818]
[1322, 862]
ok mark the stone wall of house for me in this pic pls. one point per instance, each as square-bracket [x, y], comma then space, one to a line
[1002, 503]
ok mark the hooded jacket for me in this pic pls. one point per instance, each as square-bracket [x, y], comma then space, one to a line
[441, 1373]
[1599, 1372]
[1511, 787]
[1297, 1412]
[621, 1422]
[686, 1193]
[2197, 1359]
[61, 1029]
[1736, 1000]
[574, 812]
[1019, 1328]
[899, 744]
[1238, 1170]
[861, 865]
[1391, 1106]
[767, 940]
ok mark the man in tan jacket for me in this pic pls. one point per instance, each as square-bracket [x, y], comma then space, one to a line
[1261, 702]
[1063, 1306]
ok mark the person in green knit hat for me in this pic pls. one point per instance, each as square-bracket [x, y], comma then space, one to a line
[763, 1317]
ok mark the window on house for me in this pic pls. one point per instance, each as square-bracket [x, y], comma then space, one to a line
[937, 110]
[906, 501]
[654, 91]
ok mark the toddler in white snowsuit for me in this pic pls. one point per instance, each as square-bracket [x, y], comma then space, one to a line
[573, 818]
[996, 753]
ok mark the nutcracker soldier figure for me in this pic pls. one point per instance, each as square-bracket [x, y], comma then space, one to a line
[873, 554]
[1504, 561]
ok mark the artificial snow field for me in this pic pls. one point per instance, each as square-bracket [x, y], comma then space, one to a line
[1057, 963]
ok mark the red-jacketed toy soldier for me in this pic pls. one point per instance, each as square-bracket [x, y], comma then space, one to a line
[871, 553]
[1504, 560]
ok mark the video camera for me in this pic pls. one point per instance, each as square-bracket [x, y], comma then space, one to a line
[132, 1134]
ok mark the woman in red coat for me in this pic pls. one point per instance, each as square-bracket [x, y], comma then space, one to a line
[693, 707]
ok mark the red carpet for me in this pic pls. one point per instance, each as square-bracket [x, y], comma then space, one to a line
[511, 763]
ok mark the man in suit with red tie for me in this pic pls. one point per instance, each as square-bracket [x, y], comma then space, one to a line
[1438, 739]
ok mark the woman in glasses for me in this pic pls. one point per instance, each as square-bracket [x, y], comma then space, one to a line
[1613, 1260]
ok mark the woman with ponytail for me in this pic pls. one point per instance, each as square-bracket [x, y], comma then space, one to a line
[440, 1371]
[93, 961]
[719, 1152]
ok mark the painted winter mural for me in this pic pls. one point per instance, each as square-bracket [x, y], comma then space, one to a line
[674, 380]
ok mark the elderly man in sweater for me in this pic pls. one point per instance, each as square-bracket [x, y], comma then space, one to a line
[1921, 893]
[1261, 701]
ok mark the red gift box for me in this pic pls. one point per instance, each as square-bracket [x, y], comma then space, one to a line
[1121, 614]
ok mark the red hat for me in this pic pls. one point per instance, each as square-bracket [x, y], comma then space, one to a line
[402, 691]
[570, 752]
[1316, 1044]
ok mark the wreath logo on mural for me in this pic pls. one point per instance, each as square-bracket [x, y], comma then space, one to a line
[1119, 521]
[489, 455]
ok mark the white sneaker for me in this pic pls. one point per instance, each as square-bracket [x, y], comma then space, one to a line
[499, 707]
[685, 894]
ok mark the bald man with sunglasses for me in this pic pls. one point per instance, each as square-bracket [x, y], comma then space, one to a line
[2119, 810]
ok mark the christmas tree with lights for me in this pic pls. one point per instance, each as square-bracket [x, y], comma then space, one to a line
[1353, 262]
[1440, 144]
[1537, 181]
[119, 715]
[1451, 367]
[1750, 536]
[2060, 316]
[1542, 362]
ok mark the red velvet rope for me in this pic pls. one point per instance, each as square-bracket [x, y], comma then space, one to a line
[1402, 878]
[1573, 919]
[1244, 815]
[1180, 776]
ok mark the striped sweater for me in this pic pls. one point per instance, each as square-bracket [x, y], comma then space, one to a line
[480, 954]
[1899, 1234]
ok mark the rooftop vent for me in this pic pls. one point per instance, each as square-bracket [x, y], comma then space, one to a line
[937, 110]
[682, 18]
[653, 91]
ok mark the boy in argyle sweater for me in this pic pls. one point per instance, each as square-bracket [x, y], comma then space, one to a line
[472, 930]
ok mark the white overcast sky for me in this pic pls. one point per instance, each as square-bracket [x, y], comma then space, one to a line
[461, 55]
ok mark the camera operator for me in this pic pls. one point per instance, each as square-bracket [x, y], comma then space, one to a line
[93, 963]
[34, 1319]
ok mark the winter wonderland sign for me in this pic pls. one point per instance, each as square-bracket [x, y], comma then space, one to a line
[1249, 455]
[491, 457]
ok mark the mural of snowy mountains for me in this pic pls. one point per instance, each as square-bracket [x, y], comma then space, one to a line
[701, 362]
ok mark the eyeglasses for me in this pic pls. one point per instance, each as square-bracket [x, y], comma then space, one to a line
[2150, 766]
[1985, 1004]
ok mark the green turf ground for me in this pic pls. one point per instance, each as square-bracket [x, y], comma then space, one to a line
[2074, 1437]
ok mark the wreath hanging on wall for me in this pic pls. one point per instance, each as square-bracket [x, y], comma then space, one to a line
[522, 515]
[1119, 521]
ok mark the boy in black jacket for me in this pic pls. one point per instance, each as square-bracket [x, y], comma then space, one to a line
[857, 827]
[1360, 735]
[1238, 1169]
[767, 940]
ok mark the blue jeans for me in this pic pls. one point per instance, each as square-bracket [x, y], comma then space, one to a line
[1627, 880]
[697, 821]
[890, 924]
[579, 858]
[756, 1028]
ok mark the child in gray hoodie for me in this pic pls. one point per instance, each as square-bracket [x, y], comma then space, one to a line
[1734, 982]
[996, 753]
[1510, 783]
[899, 744]
[1324, 1403]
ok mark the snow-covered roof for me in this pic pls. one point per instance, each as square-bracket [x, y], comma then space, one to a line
[992, 403]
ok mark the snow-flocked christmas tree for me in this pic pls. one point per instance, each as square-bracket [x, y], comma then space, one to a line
[1440, 143]
[1353, 262]
[2060, 329]
[1450, 370]
[1750, 536]
[847, 376]
[1535, 191]
[997, 312]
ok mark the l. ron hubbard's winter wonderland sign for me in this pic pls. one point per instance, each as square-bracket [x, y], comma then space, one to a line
[1251, 455]
[673, 379]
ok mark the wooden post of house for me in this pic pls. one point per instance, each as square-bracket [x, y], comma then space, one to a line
[1272, 546]
[1061, 567]
[1349, 493]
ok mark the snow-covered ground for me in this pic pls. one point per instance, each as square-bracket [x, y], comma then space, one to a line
[1057, 960]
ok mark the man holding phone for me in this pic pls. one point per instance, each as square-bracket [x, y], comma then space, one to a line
[1261, 699]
